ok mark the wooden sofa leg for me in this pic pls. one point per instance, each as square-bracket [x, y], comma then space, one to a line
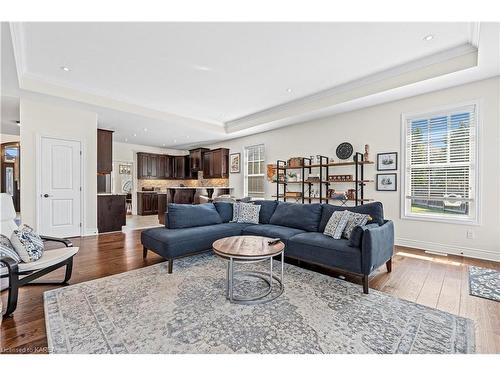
[388, 264]
[365, 284]
[144, 252]
[69, 271]
[170, 265]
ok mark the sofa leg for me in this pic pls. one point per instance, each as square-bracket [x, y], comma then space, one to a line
[69, 270]
[170, 265]
[365, 284]
[144, 252]
[388, 264]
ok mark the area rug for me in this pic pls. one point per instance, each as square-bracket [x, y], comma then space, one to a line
[150, 311]
[484, 283]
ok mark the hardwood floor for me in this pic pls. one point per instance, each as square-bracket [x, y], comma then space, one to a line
[435, 281]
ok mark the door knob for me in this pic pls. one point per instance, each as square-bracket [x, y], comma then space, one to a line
[46, 195]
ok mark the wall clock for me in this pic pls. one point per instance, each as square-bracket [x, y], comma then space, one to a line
[344, 150]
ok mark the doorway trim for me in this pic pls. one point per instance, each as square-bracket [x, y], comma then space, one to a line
[38, 177]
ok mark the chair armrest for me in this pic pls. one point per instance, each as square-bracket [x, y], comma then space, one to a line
[65, 241]
[11, 264]
[377, 246]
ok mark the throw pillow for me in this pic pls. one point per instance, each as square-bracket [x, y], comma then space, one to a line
[236, 211]
[7, 250]
[354, 219]
[248, 213]
[27, 243]
[336, 224]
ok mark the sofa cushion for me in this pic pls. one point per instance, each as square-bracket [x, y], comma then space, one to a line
[337, 223]
[374, 209]
[357, 234]
[320, 249]
[267, 209]
[172, 243]
[273, 231]
[225, 210]
[300, 216]
[189, 215]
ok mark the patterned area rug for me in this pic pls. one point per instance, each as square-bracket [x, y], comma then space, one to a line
[150, 311]
[484, 283]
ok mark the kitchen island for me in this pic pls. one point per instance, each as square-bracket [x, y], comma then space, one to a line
[186, 195]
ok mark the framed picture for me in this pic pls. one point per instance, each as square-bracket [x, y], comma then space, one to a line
[124, 169]
[234, 163]
[387, 182]
[387, 161]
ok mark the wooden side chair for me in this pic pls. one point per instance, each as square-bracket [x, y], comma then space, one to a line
[19, 274]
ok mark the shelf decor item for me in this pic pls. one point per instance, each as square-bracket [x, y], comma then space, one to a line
[340, 178]
[271, 172]
[387, 161]
[367, 151]
[295, 162]
[234, 162]
[387, 182]
[344, 150]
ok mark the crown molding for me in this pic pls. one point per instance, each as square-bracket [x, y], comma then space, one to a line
[18, 45]
[457, 58]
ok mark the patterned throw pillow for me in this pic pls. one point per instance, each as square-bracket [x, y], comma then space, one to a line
[354, 219]
[248, 213]
[236, 211]
[27, 243]
[336, 224]
[7, 250]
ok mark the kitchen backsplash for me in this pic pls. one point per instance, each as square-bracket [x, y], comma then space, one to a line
[163, 184]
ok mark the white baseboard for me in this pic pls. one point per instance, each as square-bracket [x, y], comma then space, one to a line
[90, 232]
[449, 249]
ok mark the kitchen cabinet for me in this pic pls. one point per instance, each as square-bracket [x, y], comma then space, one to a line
[104, 151]
[196, 159]
[216, 163]
[147, 203]
[181, 167]
[111, 212]
[148, 166]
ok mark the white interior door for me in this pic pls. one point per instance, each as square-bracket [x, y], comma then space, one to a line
[60, 194]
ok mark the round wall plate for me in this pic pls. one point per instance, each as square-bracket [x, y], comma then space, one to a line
[344, 150]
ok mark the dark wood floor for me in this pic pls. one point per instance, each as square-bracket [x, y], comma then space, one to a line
[435, 281]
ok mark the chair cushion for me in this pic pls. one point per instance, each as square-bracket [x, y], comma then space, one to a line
[49, 258]
[225, 210]
[172, 243]
[189, 215]
[374, 209]
[7, 250]
[267, 209]
[320, 249]
[295, 215]
[273, 231]
[27, 243]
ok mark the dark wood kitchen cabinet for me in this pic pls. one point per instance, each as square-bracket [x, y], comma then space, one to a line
[148, 166]
[147, 203]
[216, 163]
[181, 167]
[111, 212]
[104, 151]
[196, 159]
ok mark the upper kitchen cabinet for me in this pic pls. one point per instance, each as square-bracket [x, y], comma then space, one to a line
[196, 159]
[216, 163]
[104, 151]
[181, 167]
[147, 165]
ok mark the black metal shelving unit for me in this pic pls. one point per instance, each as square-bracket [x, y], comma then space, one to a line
[324, 183]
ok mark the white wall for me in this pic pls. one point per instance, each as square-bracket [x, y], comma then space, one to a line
[5, 138]
[40, 119]
[380, 127]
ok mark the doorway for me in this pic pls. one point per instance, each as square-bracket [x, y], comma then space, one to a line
[11, 177]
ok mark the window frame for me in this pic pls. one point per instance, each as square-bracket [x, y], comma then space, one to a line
[246, 174]
[475, 218]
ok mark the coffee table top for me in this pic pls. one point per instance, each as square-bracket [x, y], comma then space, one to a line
[247, 246]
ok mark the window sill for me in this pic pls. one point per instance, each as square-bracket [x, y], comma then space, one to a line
[438, 219]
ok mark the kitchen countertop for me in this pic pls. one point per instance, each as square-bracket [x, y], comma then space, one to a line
[185, 187]
[106, 194]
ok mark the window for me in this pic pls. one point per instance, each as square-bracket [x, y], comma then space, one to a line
[441, 165]
[254, 171]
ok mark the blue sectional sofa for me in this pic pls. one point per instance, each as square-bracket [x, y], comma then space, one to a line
[190, 229]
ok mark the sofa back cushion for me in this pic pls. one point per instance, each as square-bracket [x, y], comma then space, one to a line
[374, 209]
[188, 215]
[267, 209]
[225, 210]
[295, 215]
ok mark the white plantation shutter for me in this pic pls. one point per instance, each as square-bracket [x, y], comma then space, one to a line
[441, 163]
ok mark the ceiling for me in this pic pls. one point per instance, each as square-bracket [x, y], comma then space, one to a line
[193, 83]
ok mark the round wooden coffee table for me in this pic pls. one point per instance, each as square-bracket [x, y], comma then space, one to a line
[250, 249]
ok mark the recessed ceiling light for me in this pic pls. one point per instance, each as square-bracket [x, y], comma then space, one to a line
[126, 139]
[163, 145]
[145, 129]
[428, 37]
[175, 140]
[135, 135]
[202, 68]
[65, 68]
[289, 90]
